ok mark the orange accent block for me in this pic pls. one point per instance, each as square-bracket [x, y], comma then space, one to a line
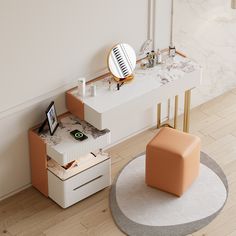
[172, 161]
[38, 162]
[74, 105]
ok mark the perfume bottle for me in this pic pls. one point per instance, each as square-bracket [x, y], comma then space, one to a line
[153, 56]
[158, 57]
[149, 57]
[172, 50]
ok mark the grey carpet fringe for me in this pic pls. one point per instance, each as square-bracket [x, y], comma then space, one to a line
[132, 228]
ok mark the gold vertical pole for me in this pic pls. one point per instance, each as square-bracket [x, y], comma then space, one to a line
[158, 115]
[176, 111]
[187, 98]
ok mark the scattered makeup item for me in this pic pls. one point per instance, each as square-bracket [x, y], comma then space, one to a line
[153, 58]
[149, 57]
[93, 154]
[70, 165]
[118, 85]
[109, 84]
[81, 87]
[144, 64]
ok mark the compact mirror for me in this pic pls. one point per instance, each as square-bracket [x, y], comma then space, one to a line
[122, 62]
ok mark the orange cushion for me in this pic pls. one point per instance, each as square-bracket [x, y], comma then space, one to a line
[172, 161]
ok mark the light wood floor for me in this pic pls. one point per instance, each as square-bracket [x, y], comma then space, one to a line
[29, 213]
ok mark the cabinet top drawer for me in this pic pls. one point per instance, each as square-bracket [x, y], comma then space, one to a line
[63, 148]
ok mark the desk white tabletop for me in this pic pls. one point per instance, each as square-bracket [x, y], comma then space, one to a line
[145, 81]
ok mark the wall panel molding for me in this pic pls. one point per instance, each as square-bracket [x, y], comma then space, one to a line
[22, 114]
[42, 54]
[36, 100]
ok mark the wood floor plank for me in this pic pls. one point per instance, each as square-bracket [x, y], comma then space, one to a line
[219, 105]
[222, 225]
[96, 214]
[5, 233]
[71, 226]
[34, 224]
[31, 203]
[221, 127]
[222, 146]
[107, 228]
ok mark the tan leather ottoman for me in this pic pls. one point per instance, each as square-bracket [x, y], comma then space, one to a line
[172, 161]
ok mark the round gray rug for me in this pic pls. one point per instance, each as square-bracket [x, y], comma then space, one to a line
[141, 210]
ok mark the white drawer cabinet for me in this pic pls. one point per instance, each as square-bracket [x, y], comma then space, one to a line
[89, 181]
[49, 153]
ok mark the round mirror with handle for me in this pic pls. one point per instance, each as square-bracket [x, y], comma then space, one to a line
[122, 62]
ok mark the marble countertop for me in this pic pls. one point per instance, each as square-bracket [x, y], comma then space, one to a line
[66, 125]
[144, 82]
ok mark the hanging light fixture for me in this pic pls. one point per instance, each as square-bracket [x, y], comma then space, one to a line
[233, 4]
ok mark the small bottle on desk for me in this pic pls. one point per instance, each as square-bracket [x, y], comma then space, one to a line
[149, 57]
[153, 56]
[93, 90]
[172, 50]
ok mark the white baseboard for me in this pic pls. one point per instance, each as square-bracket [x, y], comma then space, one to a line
[15, 192]
[55, 92]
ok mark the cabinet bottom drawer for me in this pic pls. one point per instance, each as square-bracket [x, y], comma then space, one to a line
[68, 192]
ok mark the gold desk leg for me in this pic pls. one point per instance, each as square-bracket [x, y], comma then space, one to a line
[159, 115]
[176, 111]
[187, 99]
[168, 110]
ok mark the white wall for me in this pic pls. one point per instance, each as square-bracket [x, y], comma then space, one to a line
[206, 31]
[162, 24]
[45, 45]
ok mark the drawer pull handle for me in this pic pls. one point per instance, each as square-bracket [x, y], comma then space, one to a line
[87, 182]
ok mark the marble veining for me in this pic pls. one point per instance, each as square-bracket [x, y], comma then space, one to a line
[206, 31]
[171, 69]
[66, 125]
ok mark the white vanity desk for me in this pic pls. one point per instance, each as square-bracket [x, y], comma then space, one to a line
[94, 116]
[149, 87]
